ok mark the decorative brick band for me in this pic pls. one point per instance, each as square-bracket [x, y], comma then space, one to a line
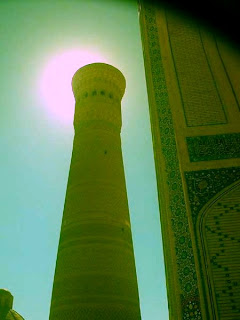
[214, 147]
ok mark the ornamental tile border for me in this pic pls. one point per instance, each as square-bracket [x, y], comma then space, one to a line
[184, 253]
[213, 147]
[202, 186]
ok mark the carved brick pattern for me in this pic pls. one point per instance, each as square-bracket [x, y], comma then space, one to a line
[184, 252]
[98, 289]
[90, 232]
[89, 125]
[98, 313]
[214, 147]
[104, 143]
[98, 90]
[95, 261]
[96, 285]
[77, 203]
[98, 77]
[201, 101]
[75, 265]
[106, 113]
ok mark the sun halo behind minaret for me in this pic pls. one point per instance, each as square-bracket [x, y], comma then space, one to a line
[55, 82]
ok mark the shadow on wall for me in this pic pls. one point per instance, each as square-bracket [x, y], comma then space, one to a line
[222, 17]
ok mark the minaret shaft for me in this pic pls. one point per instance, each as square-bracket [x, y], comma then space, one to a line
[95, 276]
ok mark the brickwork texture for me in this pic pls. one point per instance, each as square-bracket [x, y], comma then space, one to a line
[192, 79]
[95, 276]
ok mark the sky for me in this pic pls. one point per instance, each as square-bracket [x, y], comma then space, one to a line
[42, 44]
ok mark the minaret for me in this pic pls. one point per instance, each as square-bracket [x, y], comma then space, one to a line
[95, 276]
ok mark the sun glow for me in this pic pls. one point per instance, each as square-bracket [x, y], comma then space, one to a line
[55, 82]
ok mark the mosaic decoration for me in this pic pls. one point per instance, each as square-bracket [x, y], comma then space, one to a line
[184, 252]
[214, 147]
[205, 184]
[222, 247]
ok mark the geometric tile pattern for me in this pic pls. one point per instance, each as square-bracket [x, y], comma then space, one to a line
[204, 184]
[218, 225]
[201, 101]
[202, 105]
[221, 241]
[215, 147]
[185, 268]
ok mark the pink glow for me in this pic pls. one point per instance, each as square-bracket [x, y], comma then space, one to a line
[55, 82]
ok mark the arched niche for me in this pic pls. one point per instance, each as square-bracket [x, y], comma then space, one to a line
[218, 238]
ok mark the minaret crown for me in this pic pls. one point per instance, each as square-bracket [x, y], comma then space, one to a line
[98, 90]
[98, 79]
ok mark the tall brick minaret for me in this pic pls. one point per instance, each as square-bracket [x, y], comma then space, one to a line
[95, 276]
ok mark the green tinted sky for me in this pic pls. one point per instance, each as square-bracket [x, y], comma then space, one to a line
[36, 148]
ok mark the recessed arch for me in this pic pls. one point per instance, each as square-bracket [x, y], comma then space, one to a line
[218, 242]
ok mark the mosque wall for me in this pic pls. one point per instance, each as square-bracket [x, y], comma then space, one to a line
[193, 89]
